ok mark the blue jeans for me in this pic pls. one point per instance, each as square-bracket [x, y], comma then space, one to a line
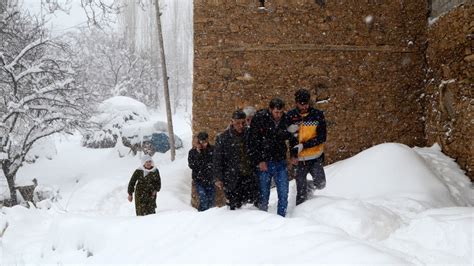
[278, 171]
[207, 194]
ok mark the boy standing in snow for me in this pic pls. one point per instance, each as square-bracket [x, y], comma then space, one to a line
[309, 128]
[200, 162]
[148, 183]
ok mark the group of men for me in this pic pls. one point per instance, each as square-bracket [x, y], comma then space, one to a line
[252, 152]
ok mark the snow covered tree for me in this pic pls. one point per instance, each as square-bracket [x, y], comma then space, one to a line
[138, 21]
[107, 67]
[37, 87]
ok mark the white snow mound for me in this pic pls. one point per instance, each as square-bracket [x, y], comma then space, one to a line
[116, 111]
[389, 170]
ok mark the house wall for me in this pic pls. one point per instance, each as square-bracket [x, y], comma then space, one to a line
[438, 7]
[450, 86]
[362, 60]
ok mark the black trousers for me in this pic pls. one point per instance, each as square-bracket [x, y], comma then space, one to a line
[315, 169]
[241, 190]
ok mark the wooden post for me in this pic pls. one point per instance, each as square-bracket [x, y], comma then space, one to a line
[165, 80]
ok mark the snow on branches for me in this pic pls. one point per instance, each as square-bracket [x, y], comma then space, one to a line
[38, 92]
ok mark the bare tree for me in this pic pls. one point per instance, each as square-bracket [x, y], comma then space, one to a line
[106, 66]
[39, 96]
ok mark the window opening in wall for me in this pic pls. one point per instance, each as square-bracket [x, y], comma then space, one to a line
[262, 4]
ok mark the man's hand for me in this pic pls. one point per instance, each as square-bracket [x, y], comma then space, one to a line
[293, 128]
[130, 197]
[263, 167]
[294, 160]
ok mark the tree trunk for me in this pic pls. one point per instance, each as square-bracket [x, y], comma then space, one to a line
[165, 80]
[11, 183]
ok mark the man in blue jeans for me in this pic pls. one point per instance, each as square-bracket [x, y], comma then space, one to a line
[268, 135]
[200, 162]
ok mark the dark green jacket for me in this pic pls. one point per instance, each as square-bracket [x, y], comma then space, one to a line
[144, 186]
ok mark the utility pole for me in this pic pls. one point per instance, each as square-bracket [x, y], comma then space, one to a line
[165, 80]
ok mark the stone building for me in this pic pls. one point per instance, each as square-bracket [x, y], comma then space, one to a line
[381, 70]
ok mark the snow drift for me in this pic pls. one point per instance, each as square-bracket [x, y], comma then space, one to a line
[388, 204]
[388, 170]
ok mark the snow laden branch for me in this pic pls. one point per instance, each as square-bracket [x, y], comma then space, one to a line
[10, 66]
[39, 93]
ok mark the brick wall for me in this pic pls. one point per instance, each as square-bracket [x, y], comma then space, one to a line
[450, 87]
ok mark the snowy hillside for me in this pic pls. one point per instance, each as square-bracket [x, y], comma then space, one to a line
[388, 204]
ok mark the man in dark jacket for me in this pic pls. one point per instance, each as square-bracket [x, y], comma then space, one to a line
[309, 128]
[268, 136]
[200, 161]
[232, 163]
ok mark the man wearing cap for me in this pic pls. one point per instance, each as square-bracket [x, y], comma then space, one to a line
[268, 136]
[200, 162]
[309, 128]
[232, 165]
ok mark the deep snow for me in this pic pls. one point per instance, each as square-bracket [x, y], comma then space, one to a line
[388, 204]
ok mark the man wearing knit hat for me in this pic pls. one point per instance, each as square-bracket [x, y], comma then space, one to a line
[309, 128]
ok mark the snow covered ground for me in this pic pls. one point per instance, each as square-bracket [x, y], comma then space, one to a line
[388, 204]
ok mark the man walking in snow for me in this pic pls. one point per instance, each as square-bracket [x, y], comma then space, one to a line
[309, 128]
[200, 161]
[268, 136]
[232, 163]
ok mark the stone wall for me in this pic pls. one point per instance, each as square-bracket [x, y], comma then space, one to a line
[363, 60]
[438, 7]
[450, 89]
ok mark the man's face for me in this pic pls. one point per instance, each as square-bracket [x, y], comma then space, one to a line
[203, 143]
[276, 113]
[238, 125]
[303, 107]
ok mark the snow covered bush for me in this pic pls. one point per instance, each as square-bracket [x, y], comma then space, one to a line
[99, 139]
[149, 137]
[112, 115]
[43, 192]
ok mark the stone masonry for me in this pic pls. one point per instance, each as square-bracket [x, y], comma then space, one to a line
[439, 7]
[364, 61]
[450, 86]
